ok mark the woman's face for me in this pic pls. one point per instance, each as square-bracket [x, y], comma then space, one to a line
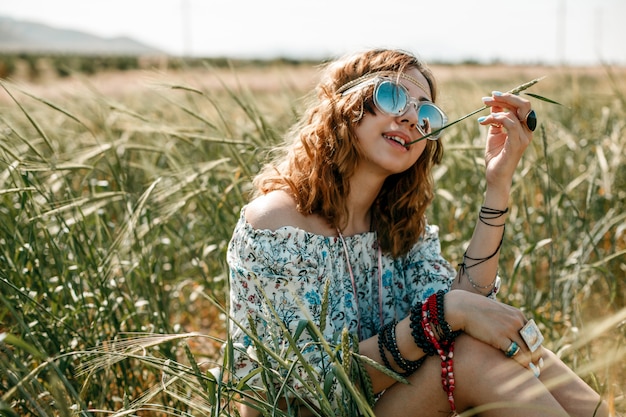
[381, 136]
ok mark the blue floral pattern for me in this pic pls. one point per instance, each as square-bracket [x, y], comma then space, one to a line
[283, 274]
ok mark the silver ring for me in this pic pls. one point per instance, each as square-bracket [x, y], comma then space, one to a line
[532, 335]
[512, 350]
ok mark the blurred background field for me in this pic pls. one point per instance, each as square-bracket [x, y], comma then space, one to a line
[119, 192]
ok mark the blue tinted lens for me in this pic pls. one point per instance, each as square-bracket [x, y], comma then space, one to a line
[390, 98]
[429, 118]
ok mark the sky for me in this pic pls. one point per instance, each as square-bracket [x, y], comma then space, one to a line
[570, 32]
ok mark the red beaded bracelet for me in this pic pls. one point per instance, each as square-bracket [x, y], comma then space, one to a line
[445, 349]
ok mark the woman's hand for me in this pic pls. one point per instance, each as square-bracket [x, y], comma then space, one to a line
[491, 322]
[508, 136]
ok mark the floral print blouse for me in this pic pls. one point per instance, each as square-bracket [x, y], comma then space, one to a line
[282, 274]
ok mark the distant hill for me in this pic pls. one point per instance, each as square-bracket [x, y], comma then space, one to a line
[31, 37]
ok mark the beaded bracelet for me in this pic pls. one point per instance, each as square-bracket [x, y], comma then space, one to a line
[387, 340]
[381, 346]
[435, 314]
[417, 331]
[392, 346]
[445, 349]
[445, 330]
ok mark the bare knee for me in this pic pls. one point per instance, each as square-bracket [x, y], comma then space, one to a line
[486, 377]
[569, 389]
[484, 374]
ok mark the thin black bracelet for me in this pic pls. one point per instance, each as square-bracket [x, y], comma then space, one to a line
[390, 341]
[487, 213]
[481, 260]
[491, 286]
[417, 331]
[494, 212]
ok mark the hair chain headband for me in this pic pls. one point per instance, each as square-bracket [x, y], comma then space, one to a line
[373, 75]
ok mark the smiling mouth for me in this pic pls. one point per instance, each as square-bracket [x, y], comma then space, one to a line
[395, 139]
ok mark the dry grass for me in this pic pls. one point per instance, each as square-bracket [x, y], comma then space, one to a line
[302, 78]
[144, 129]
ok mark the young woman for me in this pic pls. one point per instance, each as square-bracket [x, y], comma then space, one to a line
[340, 214]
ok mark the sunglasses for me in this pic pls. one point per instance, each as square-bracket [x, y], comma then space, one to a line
[392, 98]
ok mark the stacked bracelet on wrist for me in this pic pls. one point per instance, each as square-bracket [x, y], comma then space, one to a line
[434, 335]
[433, 315]
[485, 216]
[444, 330]
[417, 331]
[387, 340]
[431, 333]
[487, 213]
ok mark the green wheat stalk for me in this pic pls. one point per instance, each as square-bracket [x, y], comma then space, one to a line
[515, 91]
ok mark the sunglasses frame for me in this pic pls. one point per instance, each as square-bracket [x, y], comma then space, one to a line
[417, 104]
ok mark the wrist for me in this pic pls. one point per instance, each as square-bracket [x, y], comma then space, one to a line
[452, 312]
[497, 197]
[406, 343]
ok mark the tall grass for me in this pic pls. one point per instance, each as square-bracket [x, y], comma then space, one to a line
[116, 212]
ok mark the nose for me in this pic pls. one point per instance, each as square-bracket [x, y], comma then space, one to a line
[410, 115]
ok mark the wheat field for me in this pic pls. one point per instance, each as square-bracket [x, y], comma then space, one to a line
[119, 192]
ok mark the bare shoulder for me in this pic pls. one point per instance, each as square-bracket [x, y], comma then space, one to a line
[272, 211]
[277, 209]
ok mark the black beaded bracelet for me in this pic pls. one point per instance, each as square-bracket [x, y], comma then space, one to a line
[391, 343]
[445, 332]
[417, 331]
[381, 346]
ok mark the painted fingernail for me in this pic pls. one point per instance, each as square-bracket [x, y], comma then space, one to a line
[541, 362]
[482, 119]
[497, 93]
[535, 369]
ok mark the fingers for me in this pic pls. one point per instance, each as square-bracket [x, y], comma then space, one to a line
[499, 325]
[501, 121]
[508, 330]
[511, 102]
[525, 348]
[510, 111]
[518, 351]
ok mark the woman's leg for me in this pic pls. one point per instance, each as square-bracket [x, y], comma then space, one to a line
[488, 383]
[569, 390]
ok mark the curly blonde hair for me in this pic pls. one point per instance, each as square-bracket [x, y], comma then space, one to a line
[316, 163]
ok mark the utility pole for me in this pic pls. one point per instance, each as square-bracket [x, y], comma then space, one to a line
[561, 29]
[598, 34]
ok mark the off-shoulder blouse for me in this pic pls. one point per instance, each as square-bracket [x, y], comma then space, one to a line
[278, 278]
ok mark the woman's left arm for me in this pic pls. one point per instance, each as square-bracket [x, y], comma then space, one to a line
[507, 139]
